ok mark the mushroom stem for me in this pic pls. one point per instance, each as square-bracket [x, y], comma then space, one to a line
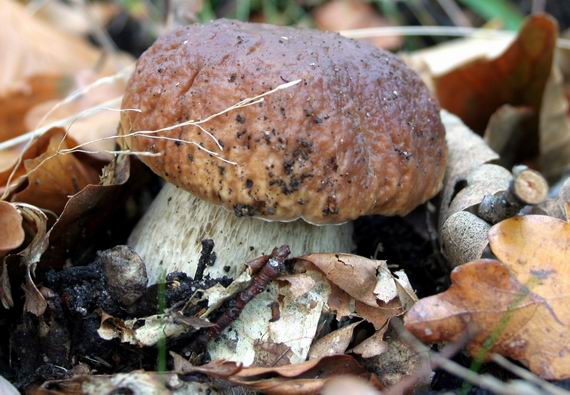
[169, 236]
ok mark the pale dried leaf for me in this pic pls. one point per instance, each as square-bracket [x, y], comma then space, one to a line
[354, 274]
[372, 346]
[35, 303]
[333, 343]
[554, 128]
[296, 327]
[299, 284]
[153, 328]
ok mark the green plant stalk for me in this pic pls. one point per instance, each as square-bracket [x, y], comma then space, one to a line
[161, 345]
[496, 9]
[243, 10]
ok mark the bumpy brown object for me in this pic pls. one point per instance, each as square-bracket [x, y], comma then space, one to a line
[360, 134]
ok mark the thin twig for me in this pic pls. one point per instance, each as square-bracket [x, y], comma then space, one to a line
[484, 381]
[446, 31]
[527, 375]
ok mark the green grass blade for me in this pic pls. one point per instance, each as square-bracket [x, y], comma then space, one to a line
[496, 9]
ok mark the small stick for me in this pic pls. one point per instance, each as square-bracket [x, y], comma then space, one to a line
[528, 187]
[273, 268]
[527, 375]
[207, 257]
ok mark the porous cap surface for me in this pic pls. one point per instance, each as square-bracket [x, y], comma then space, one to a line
[359, 134]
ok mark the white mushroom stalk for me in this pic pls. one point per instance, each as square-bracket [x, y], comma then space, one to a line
[169, 236]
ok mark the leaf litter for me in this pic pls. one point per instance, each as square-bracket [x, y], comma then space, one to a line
[346, 301]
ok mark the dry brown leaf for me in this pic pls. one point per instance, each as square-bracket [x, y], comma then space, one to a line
[340, 302]
[354, 274]
[555, 127]
[523, 302]
[15, 104]
[378, 316]
[37, 48]
[53, 178]
[147, 331]
[333, 343]
[271, 354]
[135, 382]
[303, 378]
[299, 284]
[35, 302]
[340, 15]
[372, 346]
[518, 77]
[295, 328]
[11, 231]
[503, 127]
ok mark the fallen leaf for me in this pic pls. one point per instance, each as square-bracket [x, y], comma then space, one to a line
[271, 354]
[137, 382]
[147, 331]
[503, 128]
[340, 15]
[88, 210]
[372, 346]
[54, 177]
[15, 104]
[296, 327]
[11, 231]
[303, 378]
[521, 303]
[336, 342]
[554, 157]
[354, 274]
[299, 284]
[476, 90]
[35, 302]
[37, 48]
[378, 316]
[535, 248]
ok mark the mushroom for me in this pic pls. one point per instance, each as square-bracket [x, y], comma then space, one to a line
[303, 129]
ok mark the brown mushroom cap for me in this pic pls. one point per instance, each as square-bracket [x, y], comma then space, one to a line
[360, 134]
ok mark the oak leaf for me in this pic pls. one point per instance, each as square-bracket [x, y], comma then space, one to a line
[518, 306]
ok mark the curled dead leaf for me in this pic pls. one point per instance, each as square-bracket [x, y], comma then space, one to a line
[11, 231]
[303, 378]
[518, 77]
[53, 177]
[355, 275]
[333, 343]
